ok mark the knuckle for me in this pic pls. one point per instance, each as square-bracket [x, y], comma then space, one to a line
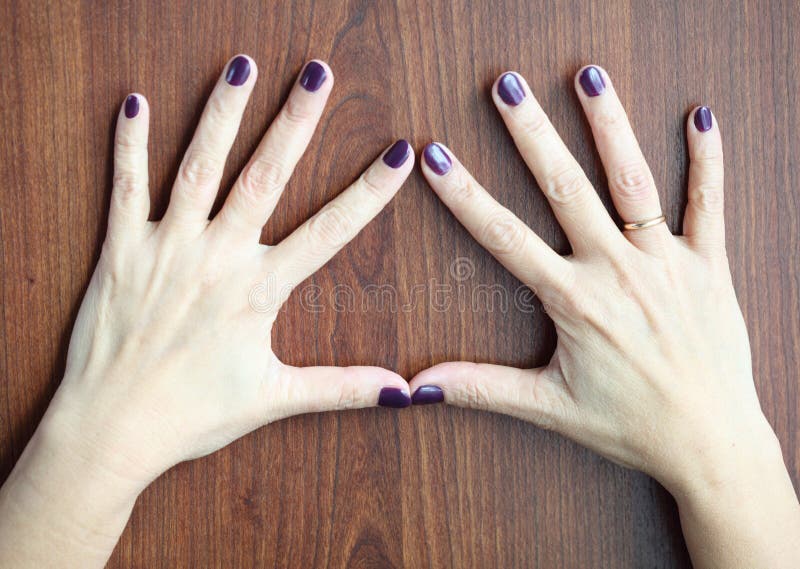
[263, 177]
[533, 123]
[476, 396]
[221, 111]
[609, 119]
[715, 252]
[463, 190]
[126, 185]
[502, 234]
[348, 397]
[296, 114]
[707, 157]
[372, 188]
[200, 168]
[625, 275]
[568, 297]
[632, 182]
[565, 187]
[127, 142]
[331, 225]
[708, 197]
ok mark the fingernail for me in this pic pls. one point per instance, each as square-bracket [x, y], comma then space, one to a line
[437, 159]
[592, 81]
[393, 397]
[238, 71]
[397, 154]
[427, 394]
[510, 89]
[313, 76]
[131, 106]
[703, 120]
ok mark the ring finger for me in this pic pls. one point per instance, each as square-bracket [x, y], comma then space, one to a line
[572, 197]
[201, 170]
[629, 179]
[262, 181]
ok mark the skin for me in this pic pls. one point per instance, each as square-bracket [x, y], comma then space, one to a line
[169, 361]
[652, 366]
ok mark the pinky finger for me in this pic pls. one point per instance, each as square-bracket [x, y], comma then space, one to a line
[130, 200]
[527, 394]
[704, 223]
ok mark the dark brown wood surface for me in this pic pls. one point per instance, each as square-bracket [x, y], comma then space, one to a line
[422, 487]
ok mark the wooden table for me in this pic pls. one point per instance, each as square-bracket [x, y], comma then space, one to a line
[422, 487]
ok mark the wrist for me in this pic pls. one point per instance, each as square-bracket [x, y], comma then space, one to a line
[738, 507]
[727, 465]
[64, 494]
[71, 437]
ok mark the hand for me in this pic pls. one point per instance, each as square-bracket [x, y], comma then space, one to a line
[652, 366]
[170, 357]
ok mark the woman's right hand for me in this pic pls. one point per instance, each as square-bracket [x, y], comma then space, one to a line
[652, 366]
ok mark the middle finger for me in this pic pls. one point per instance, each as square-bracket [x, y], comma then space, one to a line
[256, 192]
[572, 197]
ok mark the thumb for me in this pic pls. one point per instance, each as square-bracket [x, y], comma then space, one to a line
[528, 394]
[316, 389]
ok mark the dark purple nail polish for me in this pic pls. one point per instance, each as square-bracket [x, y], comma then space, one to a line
[397, 154]
[393, 397]
[703, 119]
[131, 106]
[313, 76]
[238, 71]
[510, 89]
[437, 159]
[592, 81]
[427, 394]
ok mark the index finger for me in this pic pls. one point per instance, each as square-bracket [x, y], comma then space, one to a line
[501, 232]
[314, 243]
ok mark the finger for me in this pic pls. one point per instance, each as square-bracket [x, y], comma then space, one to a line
[704, 223]
[317, 389]
[261, 183]
[312, 244]
[524, 393]
[502, 233]
[572, 197]
[632, 187]
[201, 170]
[130, 199]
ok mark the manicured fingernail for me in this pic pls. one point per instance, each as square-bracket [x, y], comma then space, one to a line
[313, 76]
[510, 89]
[703, 120]
[393, 397]
[437, 159]
[238, 71]
[397, 154]
[427, 394]
[592, 81]
[131, 106]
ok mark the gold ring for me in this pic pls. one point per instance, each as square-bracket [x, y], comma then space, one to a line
[644, 224]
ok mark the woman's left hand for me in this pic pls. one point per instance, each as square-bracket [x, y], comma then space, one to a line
[170, 357]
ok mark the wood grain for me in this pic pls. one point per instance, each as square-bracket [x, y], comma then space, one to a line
[426, 487]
